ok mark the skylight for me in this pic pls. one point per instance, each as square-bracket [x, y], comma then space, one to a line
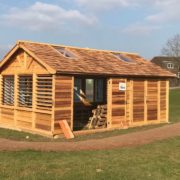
[64, 52]
[123, 57]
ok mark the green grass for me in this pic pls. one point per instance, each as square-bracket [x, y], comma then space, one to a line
[174, 111]
[174, 117]
[156, 161]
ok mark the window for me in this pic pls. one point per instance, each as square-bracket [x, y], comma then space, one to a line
[90, 89]
[77, 90]
[99, 90]
[8, 90]
[170, 65]
[123, 57]
[25, 91]
[64, 52]
[178, 75]
[44, 92]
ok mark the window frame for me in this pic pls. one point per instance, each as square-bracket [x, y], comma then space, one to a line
[3, 91]
[178, 75]
[83, 89]
[19, 100]
[170, 65]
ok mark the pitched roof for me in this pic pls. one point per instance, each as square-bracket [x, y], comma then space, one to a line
[91, 61]
[165, 58]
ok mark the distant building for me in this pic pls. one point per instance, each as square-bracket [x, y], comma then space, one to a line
[172, 64]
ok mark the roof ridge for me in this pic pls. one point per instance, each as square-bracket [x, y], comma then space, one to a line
[93, 49]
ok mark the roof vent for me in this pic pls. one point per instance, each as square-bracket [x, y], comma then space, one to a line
[65, 52]
[123, 57]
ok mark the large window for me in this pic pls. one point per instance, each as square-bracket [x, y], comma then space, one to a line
[25, 91]
[77, 90]
[8, 90]
[99, 90]
[170, 65]
[90, 89]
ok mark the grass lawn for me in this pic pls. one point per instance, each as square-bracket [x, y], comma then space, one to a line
[156, 161]
[174, 117]
[174, 111]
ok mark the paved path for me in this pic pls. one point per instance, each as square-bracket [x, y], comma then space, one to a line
[126, 140]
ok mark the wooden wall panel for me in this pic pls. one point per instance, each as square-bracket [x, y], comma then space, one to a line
[24, 119]
[43, 121]
[163, 100]
[7, 117]
[138, 100]
[152, 100]
[63, 105]
[118, 104]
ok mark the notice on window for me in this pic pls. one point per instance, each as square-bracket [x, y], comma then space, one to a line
[122, 86]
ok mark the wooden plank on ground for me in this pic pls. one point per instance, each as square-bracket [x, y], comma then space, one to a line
[66, 129]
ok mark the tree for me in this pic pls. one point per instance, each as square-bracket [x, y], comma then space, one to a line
[172, 47]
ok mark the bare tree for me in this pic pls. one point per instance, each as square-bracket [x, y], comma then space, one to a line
[172, 47]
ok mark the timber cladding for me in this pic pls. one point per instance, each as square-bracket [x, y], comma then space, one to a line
[63, 107]
[38, 82]
[144, 101]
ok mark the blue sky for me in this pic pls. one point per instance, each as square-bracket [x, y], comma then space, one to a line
[141, 26]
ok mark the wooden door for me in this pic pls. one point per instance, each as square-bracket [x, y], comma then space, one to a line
[138, 101]
[116, 103]
[152, 100]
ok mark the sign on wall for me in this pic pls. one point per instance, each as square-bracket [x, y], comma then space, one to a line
[122, 86]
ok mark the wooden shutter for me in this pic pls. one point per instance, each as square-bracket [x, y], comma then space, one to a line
[8, 90]
[44, 92]
[25, 91]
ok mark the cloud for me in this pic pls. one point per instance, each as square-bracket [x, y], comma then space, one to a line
[105, 4]
[141, 29]
[41, 16]
[167, 11]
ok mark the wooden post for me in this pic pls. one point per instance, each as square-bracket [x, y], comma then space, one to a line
[53, 104]
[34, 101]
[159, 101]
[16, 88]
[131, 102]
[167, 101]
[1, 91]
[145, 102]
[109, 103]
[72, 104]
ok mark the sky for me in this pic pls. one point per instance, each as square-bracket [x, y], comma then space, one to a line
[141, 26]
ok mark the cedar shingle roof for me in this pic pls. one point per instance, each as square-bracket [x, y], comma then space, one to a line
[91, 61]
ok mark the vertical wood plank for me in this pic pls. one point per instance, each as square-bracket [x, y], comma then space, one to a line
[145, 101]
[72, 104]
[53, 104]
[159, 102]
[34, 101]
[1, 90]
[16, 88]
[109, 103]
[167, 100]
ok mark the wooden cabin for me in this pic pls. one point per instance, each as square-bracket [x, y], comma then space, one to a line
[44, 84]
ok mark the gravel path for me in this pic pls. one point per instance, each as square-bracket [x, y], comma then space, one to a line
[126, 140]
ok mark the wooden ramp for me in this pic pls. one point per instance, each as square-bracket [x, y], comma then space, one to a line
[66, 129]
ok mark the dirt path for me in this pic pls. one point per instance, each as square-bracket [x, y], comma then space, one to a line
[132, 139]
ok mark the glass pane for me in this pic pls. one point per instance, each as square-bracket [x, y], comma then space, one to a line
[99, 90]
[77, 90]
[90, 89]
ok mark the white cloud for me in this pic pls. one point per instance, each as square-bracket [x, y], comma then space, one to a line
[167, 11]
[105, 4]
[141, 29]
[41, 16]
